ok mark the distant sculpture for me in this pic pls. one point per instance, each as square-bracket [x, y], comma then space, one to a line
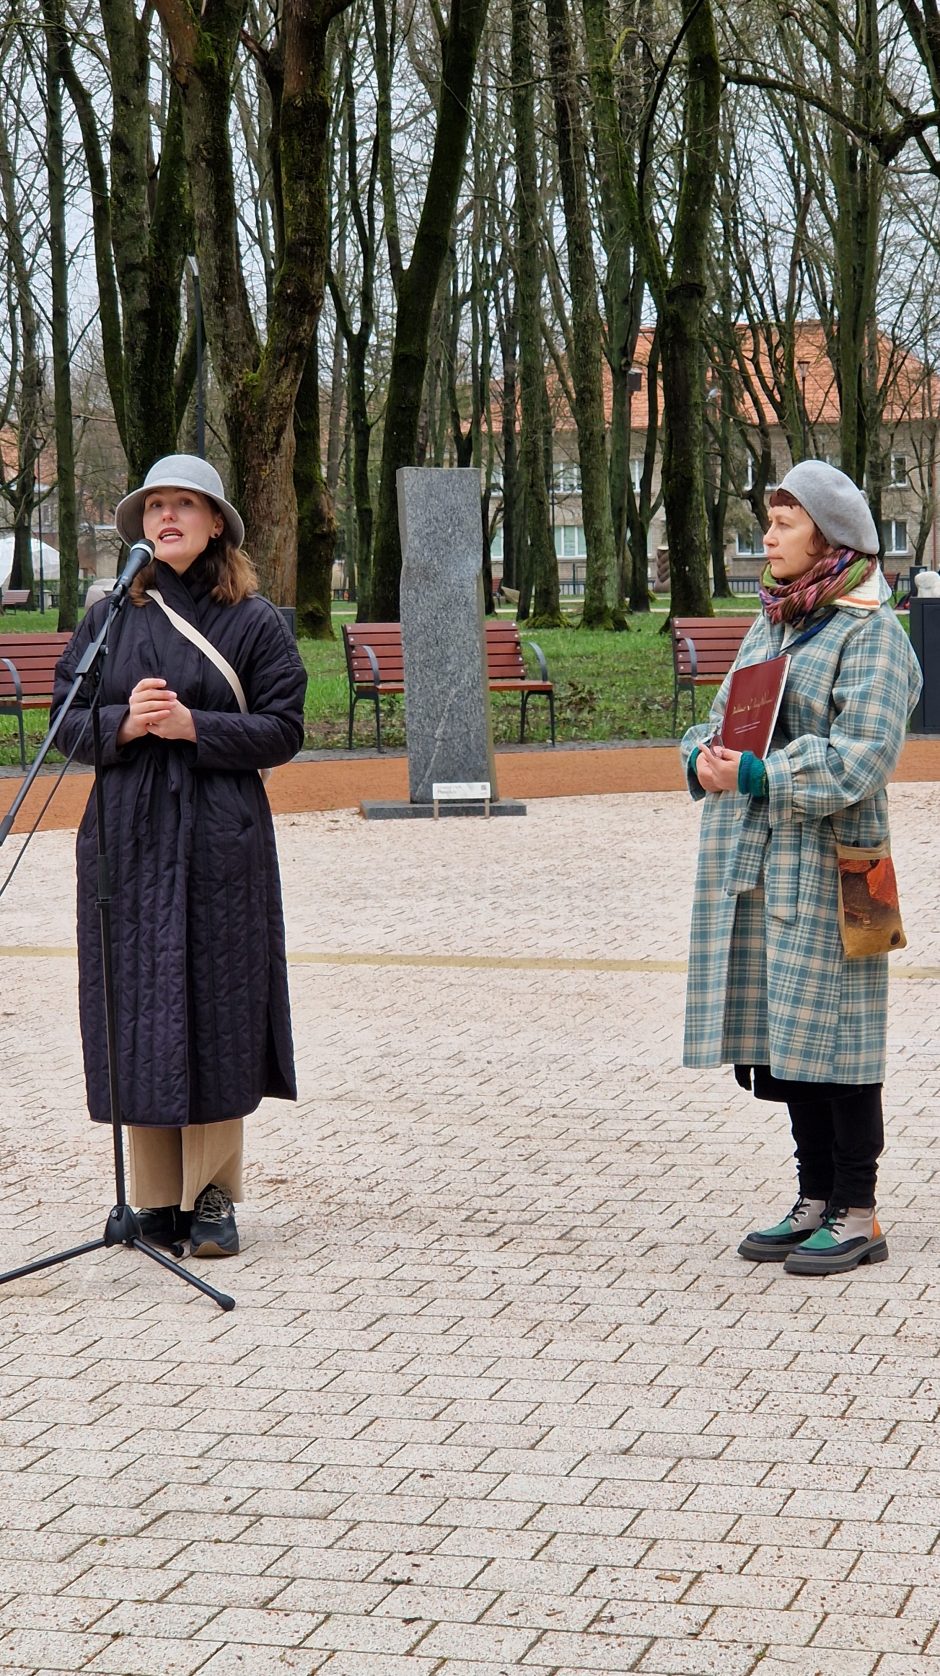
[927, 583]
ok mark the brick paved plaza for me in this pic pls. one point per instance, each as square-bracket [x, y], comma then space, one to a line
[498, 1394]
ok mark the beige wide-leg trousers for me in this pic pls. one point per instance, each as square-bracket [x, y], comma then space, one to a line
[170, 1166]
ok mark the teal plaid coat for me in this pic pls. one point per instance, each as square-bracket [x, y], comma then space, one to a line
[768, 982]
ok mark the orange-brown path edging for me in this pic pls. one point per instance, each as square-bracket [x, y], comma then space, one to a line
[343, 782]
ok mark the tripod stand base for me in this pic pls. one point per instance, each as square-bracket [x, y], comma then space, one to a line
[122, 1228]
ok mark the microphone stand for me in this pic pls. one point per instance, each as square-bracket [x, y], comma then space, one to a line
[122, 1226]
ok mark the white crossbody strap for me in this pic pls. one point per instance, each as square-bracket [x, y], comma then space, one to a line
[205, 646]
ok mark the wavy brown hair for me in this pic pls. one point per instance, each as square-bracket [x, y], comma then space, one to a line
[229, 572]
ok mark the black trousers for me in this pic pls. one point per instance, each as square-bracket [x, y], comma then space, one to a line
[838, 1132]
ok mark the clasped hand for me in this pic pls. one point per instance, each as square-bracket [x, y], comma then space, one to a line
[153, 708]
[716, 767]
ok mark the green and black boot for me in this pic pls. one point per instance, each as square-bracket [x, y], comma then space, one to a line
[844, 1239]
[774, 1245]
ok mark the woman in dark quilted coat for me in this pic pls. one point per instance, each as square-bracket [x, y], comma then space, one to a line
[203, 1015]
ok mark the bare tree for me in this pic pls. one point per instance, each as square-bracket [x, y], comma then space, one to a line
[22, 396]
[675, 267]
[602, 602]
[418, 284]
[259, 377]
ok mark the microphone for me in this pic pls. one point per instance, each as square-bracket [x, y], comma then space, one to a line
[140, 555]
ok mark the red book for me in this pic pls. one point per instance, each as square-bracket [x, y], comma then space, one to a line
[753, 705]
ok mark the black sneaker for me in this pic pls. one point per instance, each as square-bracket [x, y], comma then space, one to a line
[165, 1225]
[213, 1232]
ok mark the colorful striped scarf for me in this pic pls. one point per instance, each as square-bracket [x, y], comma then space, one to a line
[837, 573]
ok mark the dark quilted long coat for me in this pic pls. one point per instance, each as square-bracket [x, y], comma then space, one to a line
[203, 1016]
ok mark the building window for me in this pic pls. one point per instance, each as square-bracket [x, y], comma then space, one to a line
[895, 534]
[568, 478]
[897, 475]
[570, 542]
[636, 475]
[496, 543]
[751, 543]
[750, 475]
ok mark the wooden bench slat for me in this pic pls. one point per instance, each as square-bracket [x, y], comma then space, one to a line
[505, 658]
[35, 657]
[716, 642]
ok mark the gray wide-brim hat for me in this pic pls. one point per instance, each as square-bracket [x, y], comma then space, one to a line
[177, 471]
[836, 505]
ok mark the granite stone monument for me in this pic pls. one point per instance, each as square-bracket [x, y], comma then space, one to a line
[447, 707]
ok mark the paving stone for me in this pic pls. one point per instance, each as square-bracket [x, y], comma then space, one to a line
[498, 1392]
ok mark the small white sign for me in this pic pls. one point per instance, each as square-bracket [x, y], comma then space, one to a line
[460, 791]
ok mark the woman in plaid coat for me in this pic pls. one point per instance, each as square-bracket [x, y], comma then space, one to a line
[769, 987]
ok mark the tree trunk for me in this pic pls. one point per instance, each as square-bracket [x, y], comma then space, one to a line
[857, 182]
[679, 289]
[143, 230]
[362, 487]
[61, 358]
[316, 520]
[539, 569]
[640, 504]
[510, 473]
[417, 292]
[683, 474]
[259, 385]
[358, 424]
[720, 487]
[20, 491]
[602, 602]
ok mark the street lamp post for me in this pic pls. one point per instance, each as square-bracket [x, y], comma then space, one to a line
[802, 368]
[193, 267]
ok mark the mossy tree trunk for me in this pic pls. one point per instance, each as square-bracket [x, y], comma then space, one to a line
[603, 606]
[259, 382]
[857, 180]
[417, 291]
[677, 278]
[360, 209]
[316, 518]
[538, 581]
[61, 357]
[142, 231]
[25, 391]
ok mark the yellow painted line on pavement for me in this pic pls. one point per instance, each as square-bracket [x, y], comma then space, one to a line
[37, 953]
[459, 962]
[490, 962]
[463, 962]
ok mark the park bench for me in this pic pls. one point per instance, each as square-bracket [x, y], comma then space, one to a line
[703, 650]
[14, 599]
[27, 672]
[375, 666]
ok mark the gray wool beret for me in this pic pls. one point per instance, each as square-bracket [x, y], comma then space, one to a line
[837, 507]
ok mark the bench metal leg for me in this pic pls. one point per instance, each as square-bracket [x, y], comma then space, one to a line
[524, 711]
[354, 700]
[675, 708]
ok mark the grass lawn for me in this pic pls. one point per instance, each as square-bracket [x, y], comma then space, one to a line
[607, 686]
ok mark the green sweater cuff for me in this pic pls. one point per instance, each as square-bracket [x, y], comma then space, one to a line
[752, 775]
